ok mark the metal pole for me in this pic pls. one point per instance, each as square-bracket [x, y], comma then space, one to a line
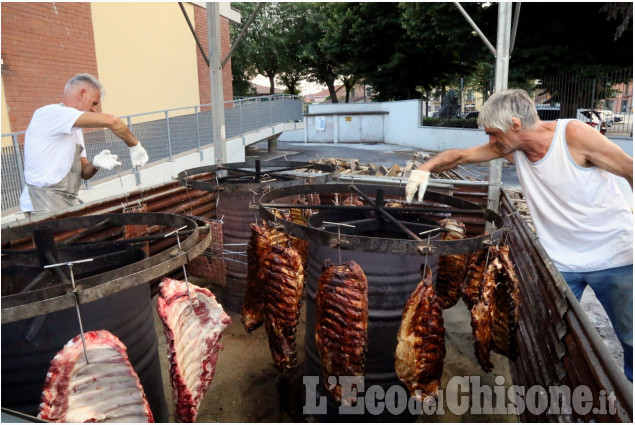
[198, 43]
[240, 104]
[502, 68]
[514, 27]
[242, 33]
[167, 120]
[476, 28]
[216, 82]
[198, 132]
[18, 161]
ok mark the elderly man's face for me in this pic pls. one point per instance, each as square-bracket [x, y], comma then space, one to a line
[89, 99]
[503, 142]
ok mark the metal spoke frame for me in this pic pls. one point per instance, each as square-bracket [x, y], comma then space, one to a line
[50, 299]
[359, 216]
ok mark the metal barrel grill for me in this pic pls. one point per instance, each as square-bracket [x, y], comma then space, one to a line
[101, 283]
[238, 187]
[390, 242]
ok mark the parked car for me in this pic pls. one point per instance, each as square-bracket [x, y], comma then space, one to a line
[606, 116]
[548, 112]
[594, 118]
[473, 114]
[611, 118]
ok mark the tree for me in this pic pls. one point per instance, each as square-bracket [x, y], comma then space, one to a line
[572, 52]
[292, 67]
[320, 66]
[397, 47]
[243, 70]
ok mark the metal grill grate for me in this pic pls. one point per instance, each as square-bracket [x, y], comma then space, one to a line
[211, 264]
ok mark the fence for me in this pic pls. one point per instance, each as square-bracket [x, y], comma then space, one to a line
[562, 96]
[164, 134]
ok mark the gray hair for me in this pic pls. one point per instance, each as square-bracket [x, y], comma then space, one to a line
[502, 106]
[84, 79]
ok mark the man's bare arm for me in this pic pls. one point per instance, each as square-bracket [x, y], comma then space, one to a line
[111, 122]
[589, 146]
[449, 159]
[88, 169]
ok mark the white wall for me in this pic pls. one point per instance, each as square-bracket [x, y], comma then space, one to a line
[401, 127]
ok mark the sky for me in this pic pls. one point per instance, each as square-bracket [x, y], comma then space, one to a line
[306, 87]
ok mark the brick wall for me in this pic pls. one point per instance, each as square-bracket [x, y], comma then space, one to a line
[200, 18]
[43, 46]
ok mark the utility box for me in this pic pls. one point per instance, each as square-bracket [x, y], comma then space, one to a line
[345, 127]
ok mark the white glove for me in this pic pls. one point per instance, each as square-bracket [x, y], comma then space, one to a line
[418, 181]
[106, 160]
[138, 155]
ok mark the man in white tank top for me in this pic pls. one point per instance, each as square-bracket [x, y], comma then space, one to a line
[567, 171]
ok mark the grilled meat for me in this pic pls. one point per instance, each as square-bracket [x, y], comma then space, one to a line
[421, 341]
[257, 249]
[451, 272]
[495, 316]
[341, 323]
[282, 276]
[473, 283]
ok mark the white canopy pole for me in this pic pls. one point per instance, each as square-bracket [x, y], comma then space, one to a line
[502, 71]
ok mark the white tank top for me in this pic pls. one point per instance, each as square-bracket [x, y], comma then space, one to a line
[580, 215]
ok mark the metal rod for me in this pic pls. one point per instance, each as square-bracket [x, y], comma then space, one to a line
[242, 33]
[187, 284]
[339, 236]
[381, 210]
[18, 160]
[198, 43]
[79, 315]
[475, 27]
[167, 121]
[366, 208]
[514, 27]
[85, 232]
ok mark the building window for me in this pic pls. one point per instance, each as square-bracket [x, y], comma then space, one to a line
[624, 107]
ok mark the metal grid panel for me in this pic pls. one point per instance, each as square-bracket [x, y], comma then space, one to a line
[185, 133]
[11, 186]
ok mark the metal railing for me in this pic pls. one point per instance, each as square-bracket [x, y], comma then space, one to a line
[560, 96]
[164, 134]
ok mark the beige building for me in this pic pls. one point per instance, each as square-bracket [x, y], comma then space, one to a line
[144, 54]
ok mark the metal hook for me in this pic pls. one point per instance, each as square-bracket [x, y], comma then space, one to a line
[79, 316]
[187, 284]
[122, 189]
[429, 232]
[339, 236]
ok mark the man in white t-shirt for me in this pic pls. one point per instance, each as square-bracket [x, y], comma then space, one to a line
[54, 153]
[567, 171]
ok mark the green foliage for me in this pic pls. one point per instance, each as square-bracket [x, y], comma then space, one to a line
[407, 50]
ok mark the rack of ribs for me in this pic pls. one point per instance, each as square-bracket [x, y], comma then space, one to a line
[341, 329]
[421, 341]
[193, 332]
[106, 389]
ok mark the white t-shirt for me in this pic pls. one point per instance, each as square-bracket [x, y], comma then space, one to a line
[49, 147]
